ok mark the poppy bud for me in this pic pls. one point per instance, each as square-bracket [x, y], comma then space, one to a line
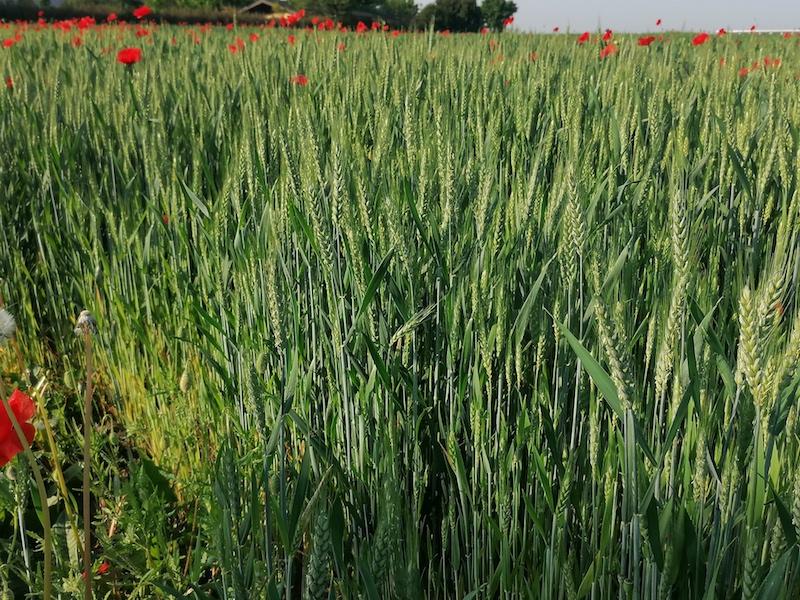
[262, 362]
[186, 381]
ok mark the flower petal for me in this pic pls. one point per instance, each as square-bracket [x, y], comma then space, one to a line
[23, 406]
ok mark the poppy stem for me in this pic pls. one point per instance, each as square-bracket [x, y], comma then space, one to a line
[58, 476]
[37, 474]
[87, 458]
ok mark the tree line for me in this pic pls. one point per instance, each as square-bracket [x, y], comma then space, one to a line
[455, 15]
[466, 15]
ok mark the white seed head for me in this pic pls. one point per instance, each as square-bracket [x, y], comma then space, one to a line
[86, 323]
[7, 326]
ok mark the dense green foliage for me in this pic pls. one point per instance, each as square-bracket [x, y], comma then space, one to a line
[454, 15]
[338, 9]
[465, 15]
[463, 317]
[402, 10]
[495, 12]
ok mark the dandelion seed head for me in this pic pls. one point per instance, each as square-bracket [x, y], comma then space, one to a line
[86, 323]
[8, 326]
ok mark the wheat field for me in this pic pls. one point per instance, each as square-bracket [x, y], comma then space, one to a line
[466, 316]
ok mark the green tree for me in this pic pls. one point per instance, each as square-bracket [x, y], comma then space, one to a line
[495, 12]
[455, 15]
[402, 11]
[338, 9]
[424, 17]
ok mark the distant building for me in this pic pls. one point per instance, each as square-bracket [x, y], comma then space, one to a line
[272, 9]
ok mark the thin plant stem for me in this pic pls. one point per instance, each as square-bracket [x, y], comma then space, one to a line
[58, 476]
[87, 457]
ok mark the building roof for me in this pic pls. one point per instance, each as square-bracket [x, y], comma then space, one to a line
[276, 6]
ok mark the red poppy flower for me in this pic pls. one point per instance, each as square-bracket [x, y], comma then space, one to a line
[315, 20]
[291, 39]
[77, 42]
[9, 82]
[86, 23]
[508, 21]
[375, 26]
[142, 32]
[111, 17]
[743, 72]
[254, 37]
[787, 35]
[395, 33]
[8, 42]
[607, 35]
[341, 47]
[700, 39]
[229, 26]
[721, 31]
[484, 30]
[752, 27]
[301, 80]
[40, 13]
[129, 56]
[608, 51]
[142, 12]
[103, 568]
[293, 19]
[647, 40]
[583, 38]
[361, 27]
[233, 48]
[385, 28]
[23, 408]
[658, 22]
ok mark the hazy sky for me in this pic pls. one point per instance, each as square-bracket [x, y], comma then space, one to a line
[641, 15]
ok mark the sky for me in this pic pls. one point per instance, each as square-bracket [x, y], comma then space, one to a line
[641, 15]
